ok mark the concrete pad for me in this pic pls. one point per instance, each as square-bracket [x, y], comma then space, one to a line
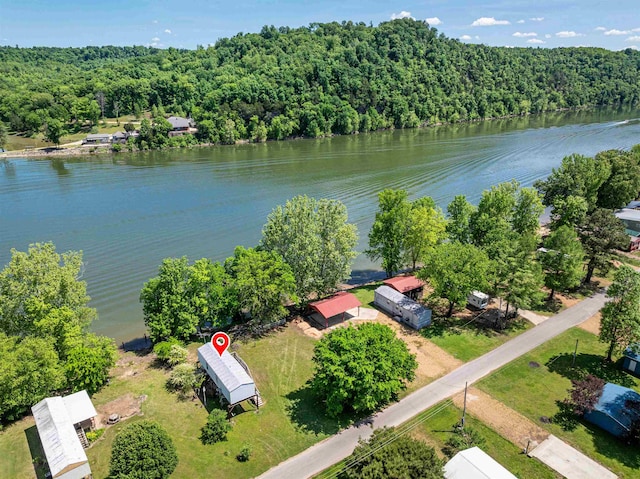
[569, 462]
[532, 317]
[362, 313]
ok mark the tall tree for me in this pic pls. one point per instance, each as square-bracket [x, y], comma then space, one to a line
[387, 235]
[454, 270]
[390, 454]
[315, 240]
[3, 135]
[562, 262]
[458, 226]
[601, 233]
[620, 323]
[426, 227]
[623, 184]
[570, 211]
[264, 283]
[361, 368]
[212, 292]
[53, 131]
[493, 218]
[527, 211]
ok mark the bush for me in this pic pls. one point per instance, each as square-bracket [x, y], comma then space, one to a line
[116, 147]
[244, 454]
[163, 348]
[462, 439]
[177, 355]
[93, 436]
[216, 428]
[184, 378]
[143, 450]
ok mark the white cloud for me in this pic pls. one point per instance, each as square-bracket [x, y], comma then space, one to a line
[633, 47]
[523, 35]
[600, 29]
[536, 19]
[167, 31]
[635, 38]
[402, 14]
[465, 37]
[617, 32]
[155, 39]
[520, 21]
[477, 37]
[489, 22]
[635, 29]
[535, 40]
[434, 21]
[547, 35]
[566, 34]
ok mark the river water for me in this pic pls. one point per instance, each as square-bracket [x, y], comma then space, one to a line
[129, 211]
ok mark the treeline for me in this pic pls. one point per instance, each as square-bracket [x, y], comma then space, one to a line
[313, 81]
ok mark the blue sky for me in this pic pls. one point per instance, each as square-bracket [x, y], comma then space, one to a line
[164, 23]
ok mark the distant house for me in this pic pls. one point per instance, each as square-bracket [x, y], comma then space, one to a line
[407, 285]
[97, 139]
[181, 126]
[119, 137]
[228, 374]
[630, 217]
[616, 410]
[401, 307]
[62, 423]
[333, 309]
[474, 463]
[631, 360]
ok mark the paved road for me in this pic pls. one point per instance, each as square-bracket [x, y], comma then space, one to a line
[334, 449]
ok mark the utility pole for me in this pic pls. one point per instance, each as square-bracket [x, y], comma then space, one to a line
[575, 352]
[464, 409]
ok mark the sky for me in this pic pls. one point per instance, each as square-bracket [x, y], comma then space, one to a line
[614, 24]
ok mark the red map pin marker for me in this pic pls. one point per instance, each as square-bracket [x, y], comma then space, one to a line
[220, 342]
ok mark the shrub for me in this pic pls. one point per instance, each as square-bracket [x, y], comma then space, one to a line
[184, 378]
[143, 450]
[177, 355]
[462, 439]
[163, 348]
[93, 436]
[116, 147]
[216, 428]
[244, 454]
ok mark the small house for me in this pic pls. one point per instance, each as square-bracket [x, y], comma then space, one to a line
[231, 379]
[631, 359]
[181, 126]
[97, 139]
[616, 411]
[334, 309]
[474, 463]
[408, 285]
[478, 299]
[402, 308]
[61, 423]
[119, 137]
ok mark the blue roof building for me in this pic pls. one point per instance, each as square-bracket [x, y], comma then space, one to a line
[614, 412]
[631, 360]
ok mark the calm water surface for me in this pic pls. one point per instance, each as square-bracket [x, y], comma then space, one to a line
[129, 211]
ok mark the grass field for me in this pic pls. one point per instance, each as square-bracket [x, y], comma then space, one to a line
[435, 426]
[468, 340]
[536, 383]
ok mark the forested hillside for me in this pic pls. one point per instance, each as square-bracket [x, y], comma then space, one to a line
[312, 81]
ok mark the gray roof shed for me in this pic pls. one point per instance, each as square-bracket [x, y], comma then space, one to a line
[474, 463]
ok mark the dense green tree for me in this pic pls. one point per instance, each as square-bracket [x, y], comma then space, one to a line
[361, 368]
[454, 270]
[3, 135]
[601, 233]
[492, 221]
[527, 211]
[426, 227]
[88, 363]
[458, 226]
[143, 450]
[264, 282]
[315, 240]
[212, 293]
[387, 235]
[578, 175]
[389, 454]
[216, 428]
[562, 262]
[53, 131]
[623, 184]
[570, 211]
[620, 323]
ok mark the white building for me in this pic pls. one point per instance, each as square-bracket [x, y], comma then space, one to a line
[61, 423]
[474, 463]
[405, 309]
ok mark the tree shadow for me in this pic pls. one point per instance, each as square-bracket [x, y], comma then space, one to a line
[614, 448]
[38, 458]
[565, 417]
[585, 363]
[550, 306]
[307, 413]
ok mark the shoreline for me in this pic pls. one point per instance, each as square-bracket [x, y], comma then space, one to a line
[83, 150]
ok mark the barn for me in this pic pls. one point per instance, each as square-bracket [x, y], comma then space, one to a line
[230, 377]
[474, 463]
[399, 306]
[616, 410]
[408, 285]
[61, 423]
[631, 359]
[332, 310]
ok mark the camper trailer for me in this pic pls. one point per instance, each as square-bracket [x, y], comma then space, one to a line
[478, 300]
[402, 308]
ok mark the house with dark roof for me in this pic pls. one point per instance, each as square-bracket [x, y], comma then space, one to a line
[181, 126]
[616, 411]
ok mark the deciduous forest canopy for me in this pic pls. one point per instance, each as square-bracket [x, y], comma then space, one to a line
[312, 81]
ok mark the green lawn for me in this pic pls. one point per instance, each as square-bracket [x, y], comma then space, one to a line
[467, 341]
[437, 426]
[536, 383]
[365, 293]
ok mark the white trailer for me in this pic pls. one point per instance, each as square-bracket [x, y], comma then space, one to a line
[402, 308]
[478, 299]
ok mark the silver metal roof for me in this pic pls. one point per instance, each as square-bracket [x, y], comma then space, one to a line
[400, 299]
[79, 407]
[474, 463]
[225, 367]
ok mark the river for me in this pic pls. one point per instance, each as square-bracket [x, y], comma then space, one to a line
[129, 211]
